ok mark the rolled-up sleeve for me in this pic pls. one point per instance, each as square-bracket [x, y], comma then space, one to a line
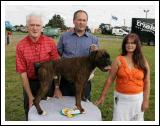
[20, 61]
[54, 52]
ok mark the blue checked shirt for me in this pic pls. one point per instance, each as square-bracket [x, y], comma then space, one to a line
[71, 45]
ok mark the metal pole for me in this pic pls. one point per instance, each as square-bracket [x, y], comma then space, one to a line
[146, 11]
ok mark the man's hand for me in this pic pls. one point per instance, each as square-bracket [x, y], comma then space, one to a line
[57, 92]
[93, 47]
[31, 102]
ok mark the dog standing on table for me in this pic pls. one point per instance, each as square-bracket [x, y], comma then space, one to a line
[76, 70]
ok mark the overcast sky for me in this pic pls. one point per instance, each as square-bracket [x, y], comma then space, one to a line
[16, 14]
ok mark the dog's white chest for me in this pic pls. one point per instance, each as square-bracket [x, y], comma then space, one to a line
[91, 75]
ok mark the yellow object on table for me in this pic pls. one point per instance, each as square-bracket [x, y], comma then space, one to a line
[70, 113]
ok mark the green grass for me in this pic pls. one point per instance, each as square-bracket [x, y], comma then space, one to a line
[13, 86]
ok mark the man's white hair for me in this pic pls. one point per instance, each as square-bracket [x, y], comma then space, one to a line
[33, 15]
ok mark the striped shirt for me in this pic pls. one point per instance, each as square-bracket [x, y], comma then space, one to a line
[28, 53]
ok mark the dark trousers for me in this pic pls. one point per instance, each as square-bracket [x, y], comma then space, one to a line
[68, 89]
[34, 85]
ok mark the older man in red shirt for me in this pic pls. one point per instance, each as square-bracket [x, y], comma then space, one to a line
[34, 48]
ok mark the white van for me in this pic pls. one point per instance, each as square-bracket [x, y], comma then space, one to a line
[119, 31]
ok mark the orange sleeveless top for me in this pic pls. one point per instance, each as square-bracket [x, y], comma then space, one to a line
[129, 81]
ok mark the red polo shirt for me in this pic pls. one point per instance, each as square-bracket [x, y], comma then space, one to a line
[29, 52]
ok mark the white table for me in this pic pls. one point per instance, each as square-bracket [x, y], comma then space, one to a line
[53, 107]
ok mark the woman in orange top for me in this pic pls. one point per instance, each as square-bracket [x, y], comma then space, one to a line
[132, 74]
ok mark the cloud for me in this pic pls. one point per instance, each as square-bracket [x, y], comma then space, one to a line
[97, 13]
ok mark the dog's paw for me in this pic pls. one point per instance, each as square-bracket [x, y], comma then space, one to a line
[48, 98]
[44, 113]
[84, 112]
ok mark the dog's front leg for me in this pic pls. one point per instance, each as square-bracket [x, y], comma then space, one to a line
[83, 91]
[79, 89]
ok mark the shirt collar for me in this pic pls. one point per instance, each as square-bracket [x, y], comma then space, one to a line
[39, 41]
[85, 34]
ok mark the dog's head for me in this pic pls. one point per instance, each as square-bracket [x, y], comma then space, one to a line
[101, 59]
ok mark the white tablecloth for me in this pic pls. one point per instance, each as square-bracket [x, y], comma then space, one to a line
[53, 107]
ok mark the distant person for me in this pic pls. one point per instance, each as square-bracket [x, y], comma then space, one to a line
[77, 42]
[132, 74]
[8, 37]
[34, 48]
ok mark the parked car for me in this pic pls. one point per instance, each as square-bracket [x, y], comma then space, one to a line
[119, 31]
[51, 32]
[106, 28]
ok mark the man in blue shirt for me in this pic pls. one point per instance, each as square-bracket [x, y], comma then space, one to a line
[75, 43]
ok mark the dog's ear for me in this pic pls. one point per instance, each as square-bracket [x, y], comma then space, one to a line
[92, 55]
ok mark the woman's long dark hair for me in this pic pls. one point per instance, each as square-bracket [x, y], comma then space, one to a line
[138, 57]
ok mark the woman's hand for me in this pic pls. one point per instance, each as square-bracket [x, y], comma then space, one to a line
[100, 100]
[145, 105]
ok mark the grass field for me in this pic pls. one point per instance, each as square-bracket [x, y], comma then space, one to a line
[13, 86]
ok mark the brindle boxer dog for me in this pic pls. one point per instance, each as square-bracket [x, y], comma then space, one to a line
[76, 70]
